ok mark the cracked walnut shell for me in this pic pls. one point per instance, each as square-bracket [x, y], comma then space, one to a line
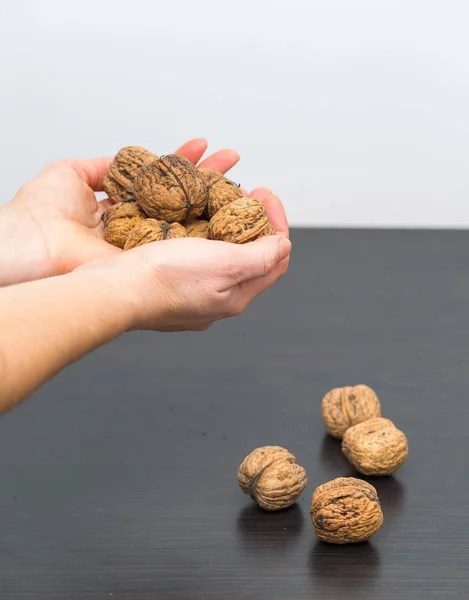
[119, 220]
[118, 181]
[197, 228]
[347, 406]
[220, 191]
[152, 230]
[272, 478]
[375, 447]
[345, 510]
[241, 221]
[171, 188]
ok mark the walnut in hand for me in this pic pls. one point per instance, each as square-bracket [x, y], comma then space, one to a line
[272, 477]
[152, 230]
[345, 510]
[220, 192]
[171, 188]
[119, 220]
[197, 228]
[241, 221]
[118, 182]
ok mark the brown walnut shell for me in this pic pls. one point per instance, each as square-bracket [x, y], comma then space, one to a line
[171, 188]
[271, 477]
[347, 406]
[118, 181]
[345, 510]
[197, 228]
[152, 230]
[220, 192]
[241, 221]
[119, 220]
[375, 447]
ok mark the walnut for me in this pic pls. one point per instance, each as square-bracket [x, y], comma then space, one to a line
[171, 188]
[375, 447]
[118, 181]
[347, 406]
[272, 477]
[152, 230]
[241, 221]
[220, 191]
[119, 220]
[197, 228]
[345, 510]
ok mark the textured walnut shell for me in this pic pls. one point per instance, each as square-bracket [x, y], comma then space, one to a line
[271, 477]
[220, 192]
[152, 230]
[171, 188]
[197, 228]
[347, 406]
[345, 510]
[375, 447]
[241, 221]
[119, 220]
[118, 181]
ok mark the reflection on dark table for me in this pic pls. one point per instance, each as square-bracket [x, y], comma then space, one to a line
[118, 478]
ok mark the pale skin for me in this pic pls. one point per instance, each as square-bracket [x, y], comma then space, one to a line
[66, 291]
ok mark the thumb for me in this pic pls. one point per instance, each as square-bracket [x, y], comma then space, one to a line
[259, 258]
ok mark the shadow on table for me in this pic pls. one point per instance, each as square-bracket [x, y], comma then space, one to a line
[391, 491]
[344, 567]
[259, 530]
[332, 456]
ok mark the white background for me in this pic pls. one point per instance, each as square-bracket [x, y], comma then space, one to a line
[356, 112]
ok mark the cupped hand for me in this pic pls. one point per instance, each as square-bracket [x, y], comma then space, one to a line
[58, 211]
[187, 284]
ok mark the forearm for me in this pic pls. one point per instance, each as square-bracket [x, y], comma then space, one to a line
[20, 247]
[46, 325]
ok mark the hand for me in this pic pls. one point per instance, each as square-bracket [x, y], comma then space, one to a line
[56, 217]
[186, 284]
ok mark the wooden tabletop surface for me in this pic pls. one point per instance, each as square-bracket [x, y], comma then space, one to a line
[118, 478]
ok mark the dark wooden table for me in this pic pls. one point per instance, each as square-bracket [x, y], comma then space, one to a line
[118, 479]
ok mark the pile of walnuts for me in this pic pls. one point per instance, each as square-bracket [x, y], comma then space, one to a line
[346, 509]
[163, 197]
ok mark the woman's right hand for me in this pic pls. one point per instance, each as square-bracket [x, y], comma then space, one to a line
[187, 284]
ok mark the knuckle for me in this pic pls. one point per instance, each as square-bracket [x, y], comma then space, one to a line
[231, 269]
[236, 309]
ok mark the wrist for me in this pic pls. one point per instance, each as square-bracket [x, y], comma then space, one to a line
[23, 254]
[119, 289]
[110, 295]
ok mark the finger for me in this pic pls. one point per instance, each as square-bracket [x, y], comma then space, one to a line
[251, 289]
[221, 161]
[104, 205]
[274, 208]
[92, 171]
[193, 150]
[255, 259]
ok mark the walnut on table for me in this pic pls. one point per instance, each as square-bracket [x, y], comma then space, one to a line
[346, 406]
[345, 510]
[375, 447]
[271, 476]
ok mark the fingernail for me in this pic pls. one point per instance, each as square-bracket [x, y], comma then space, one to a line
[285, 247]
